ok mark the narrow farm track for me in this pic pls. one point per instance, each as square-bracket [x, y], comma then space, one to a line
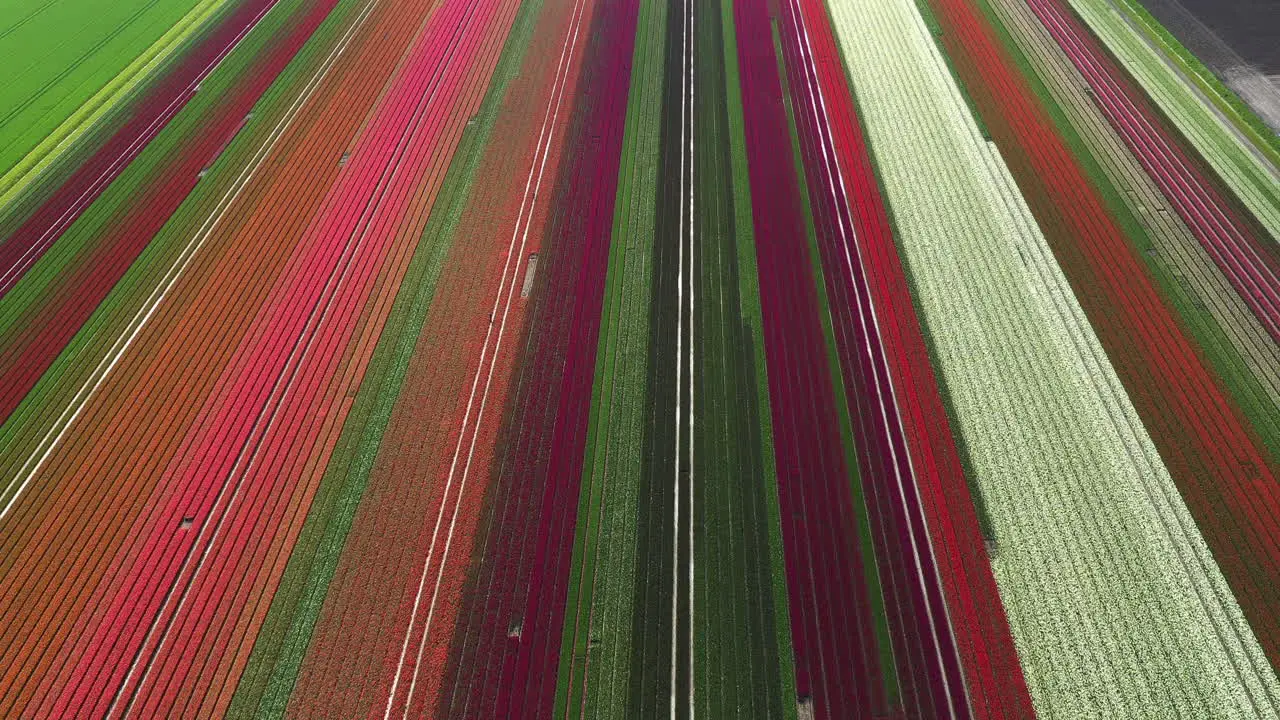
[1198, 430]
[734, 359]
[683, 510]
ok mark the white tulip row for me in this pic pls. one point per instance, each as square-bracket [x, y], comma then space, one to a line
[1117, 608]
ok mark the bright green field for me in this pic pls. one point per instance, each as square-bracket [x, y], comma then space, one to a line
[57, 54]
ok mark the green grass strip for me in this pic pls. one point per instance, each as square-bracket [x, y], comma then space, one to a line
[64, 56]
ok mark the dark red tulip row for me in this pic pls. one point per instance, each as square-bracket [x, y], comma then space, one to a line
[837, 662]
[947, 623]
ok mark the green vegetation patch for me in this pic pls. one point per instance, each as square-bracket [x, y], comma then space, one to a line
[60, 55]
[42, 406]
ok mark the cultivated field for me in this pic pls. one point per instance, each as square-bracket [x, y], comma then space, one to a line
[795, 359]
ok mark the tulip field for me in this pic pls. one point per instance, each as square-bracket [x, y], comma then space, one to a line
[787, 359]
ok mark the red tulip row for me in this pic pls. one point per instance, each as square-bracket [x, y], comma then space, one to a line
[406, 561]
[240, 478]
[88, 479]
